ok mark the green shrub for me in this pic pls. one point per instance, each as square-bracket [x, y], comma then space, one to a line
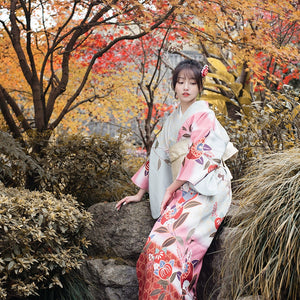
[263, 250]
[272, 128]
[42, 238]
[91, 168]
[73, 287]
[15, 163]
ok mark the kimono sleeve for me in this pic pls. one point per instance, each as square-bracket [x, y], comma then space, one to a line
[208, 144]
[141, 177]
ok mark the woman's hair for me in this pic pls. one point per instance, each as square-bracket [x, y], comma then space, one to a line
[189, 65]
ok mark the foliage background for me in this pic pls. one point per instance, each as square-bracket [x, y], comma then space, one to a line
[67, 64]
[92, 169]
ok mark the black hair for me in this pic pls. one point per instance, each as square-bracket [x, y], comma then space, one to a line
[189, 64]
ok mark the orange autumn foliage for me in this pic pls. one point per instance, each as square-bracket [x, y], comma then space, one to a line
[67, 63]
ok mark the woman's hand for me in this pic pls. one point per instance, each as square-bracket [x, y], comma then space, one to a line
[166, 200]
[169, 194]
[134, 198]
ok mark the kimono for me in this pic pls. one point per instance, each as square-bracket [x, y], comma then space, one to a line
[191, 147]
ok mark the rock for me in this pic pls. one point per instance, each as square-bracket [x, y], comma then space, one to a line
[109, 280]
[210, 279]
[236, 213]
[117, 238]
[120, 233]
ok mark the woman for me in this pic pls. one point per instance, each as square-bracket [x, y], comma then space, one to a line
[189, 190]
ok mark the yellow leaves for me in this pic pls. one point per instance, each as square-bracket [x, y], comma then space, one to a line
[220, 70]
[295, 16]
[55, 282]
[111, 97]
[221, 87]
[217, 64]
[34, 244]
[223, 76]
[236, 88]
[295, 112]
[216, 86]
[245, 102]
[217, 100]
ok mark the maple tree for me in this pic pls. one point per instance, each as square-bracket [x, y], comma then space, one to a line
[43, 55]
[76, 57]
[139, 72]
[243, 71]
[253, 54]
[251, 47]
[154, 110]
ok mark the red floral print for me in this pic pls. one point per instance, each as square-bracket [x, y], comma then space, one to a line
[159, 256]
[212, 167]
[147, 168]
[198, 149]
[218, 222]
[165, 272]
[188, 273]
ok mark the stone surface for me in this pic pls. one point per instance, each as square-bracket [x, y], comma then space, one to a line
[209, 282]
[109, 280]
[117, 238]
[122, 233]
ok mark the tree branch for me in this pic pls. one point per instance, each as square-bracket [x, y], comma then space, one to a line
[62, 85]
[20, 116]
[90, 99]
[9, 119]
[15, 39]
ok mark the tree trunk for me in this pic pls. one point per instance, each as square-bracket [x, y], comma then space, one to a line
[39, 143]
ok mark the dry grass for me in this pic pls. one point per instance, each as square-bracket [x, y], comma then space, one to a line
[263, 251]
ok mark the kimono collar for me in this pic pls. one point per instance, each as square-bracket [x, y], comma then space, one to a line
[196, 106]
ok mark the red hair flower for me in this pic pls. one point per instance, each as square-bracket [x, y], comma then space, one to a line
[204, 71]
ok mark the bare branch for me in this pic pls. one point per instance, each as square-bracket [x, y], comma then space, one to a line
[20, 116]
[158, 62]
[90, 99]
[141, 132]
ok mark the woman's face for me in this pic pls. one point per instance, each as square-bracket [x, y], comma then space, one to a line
[186, 88]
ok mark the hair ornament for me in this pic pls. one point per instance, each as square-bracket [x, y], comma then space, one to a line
[204, 71]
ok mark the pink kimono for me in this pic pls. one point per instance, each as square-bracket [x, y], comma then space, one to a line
[191, 147]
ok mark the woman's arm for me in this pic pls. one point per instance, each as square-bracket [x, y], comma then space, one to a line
[134, 198]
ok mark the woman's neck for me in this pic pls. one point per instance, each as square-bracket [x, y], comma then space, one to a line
[185, 106]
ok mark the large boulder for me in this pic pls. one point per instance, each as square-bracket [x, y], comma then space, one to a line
[119, 234]
[117, 238]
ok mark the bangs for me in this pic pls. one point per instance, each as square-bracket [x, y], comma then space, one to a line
[186, 73]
